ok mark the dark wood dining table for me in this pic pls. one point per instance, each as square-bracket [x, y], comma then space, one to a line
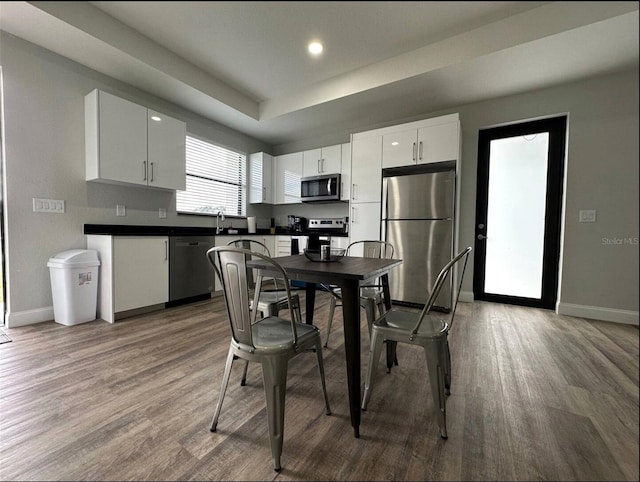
[348, 274]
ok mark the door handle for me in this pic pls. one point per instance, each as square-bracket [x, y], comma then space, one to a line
[144, 170]
[481, 237]
[151, 166]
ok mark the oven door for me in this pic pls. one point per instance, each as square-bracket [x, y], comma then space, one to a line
[320, 188]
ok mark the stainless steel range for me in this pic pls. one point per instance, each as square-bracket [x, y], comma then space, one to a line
[321, 229]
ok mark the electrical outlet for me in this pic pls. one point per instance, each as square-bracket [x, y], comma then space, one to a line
[121, 210]
[162, 213]
[587, 216]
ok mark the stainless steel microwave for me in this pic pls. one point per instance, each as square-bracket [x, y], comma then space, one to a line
[324, 188]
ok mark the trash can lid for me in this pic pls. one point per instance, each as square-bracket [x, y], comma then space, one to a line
[74, 258]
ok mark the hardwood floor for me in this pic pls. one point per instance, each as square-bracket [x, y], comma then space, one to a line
[535, 396]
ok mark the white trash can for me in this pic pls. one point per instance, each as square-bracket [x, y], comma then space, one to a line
[74, 285]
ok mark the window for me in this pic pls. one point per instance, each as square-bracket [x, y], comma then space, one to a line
[216, 180]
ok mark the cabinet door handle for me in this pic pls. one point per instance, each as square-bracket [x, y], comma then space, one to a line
[353, 215]
[166, 250]
[151, 166]
[264, 194]
[414, 151]
[353, 191]
[420, 155]
[144, 170]
[318, 168]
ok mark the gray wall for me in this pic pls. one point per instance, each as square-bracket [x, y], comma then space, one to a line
[44, 126]
[44, 134]
[601, 174]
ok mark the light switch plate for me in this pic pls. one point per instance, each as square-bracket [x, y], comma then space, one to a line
[587, 216]
[48, 205]
[121, 210]
[162, 213]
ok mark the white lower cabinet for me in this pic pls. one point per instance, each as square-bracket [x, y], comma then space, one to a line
[134, 273]
[339, 242]
[364, 223]
[283, 246]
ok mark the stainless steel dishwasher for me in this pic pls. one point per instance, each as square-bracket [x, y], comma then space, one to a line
[191, 277]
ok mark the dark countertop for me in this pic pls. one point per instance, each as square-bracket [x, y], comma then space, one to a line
[139, 230]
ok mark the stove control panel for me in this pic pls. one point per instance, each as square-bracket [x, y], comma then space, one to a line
[337, 224]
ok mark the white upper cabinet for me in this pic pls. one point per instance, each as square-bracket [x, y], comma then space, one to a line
[166, 166]
[399, 148]
[128, 143]
[422, 142]
[261, 167]
[288, 172]
[326, 160]
[439, 142]
[366, 172]
[345, 172]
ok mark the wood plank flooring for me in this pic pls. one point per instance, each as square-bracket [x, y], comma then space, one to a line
[535, 396]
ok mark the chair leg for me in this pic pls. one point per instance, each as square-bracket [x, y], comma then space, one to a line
[370, 311]
[274, 374]
[321, 370]
[447, 368]
[223, 388]
[243, 381]
[296, 308]
[332, 309]
[434, 352]
[375, 349]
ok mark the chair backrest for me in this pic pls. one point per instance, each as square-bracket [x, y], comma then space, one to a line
[439, 283]
[230, 265]
[254, 246]
[372, 249]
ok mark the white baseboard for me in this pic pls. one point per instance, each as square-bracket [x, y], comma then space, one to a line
[466, 297]
[598, 313]
[29, 317]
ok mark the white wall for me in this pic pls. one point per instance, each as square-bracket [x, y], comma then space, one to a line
[44, 138]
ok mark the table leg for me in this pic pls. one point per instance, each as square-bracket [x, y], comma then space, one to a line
[391, 345]
[351, 319]
[310, 302]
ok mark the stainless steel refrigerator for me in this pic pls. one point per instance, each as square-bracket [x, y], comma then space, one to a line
[418, 219]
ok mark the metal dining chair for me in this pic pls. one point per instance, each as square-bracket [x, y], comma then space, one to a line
[271, 341]
[371, 295]
[271, 300]
[426, 330]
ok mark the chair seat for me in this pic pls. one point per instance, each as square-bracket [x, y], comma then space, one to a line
[273, 333]
[402, 322]
[370, 293]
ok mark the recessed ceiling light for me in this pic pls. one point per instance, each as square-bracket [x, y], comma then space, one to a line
[315, 48]
[156, 118]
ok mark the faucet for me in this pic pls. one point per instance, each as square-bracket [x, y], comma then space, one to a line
[219, 219]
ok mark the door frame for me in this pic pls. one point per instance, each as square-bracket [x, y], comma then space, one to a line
[557, 128]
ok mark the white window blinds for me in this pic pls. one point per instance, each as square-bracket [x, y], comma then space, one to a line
[216, 180]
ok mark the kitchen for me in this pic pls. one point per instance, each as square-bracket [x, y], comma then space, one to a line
[598, 280]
